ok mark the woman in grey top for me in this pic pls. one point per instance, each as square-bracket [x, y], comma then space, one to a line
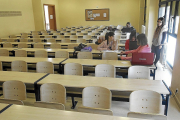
[158, 39]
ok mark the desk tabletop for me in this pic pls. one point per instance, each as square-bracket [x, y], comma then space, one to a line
[10, 49]
[114, 84]
[93, 62]
[31, 59]
[20, 112]
[2, 105]
[16, 43]
[25, 77]
[54, 50]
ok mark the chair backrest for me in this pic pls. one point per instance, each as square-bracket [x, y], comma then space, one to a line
[9, 101]
[58, 106]
[61, 54]
[48, 36]
[20, 53]
[84, 55]
[7, 45]
[67, 33]
[66, 40]
[22, 45]
[15, 90]
[74, 36]
[96, 97]
[19, 65]
[26, 34]
[37, 40]
[93, 46]
[138, 72]
[147, 116]
[4, 52]
[79, 33]
[53, 92]
[38, 45]
[145, 101]
[41, 54]
[35, 36]
[81, 41]
[1, 66]
[34, 32]
[51, 40]
[109, 56]
[73, 69]
[45, 33]
[23, 40]
[71, 46]
[95, 110]
[45, 67]
[12, 36]
[60, 36]
[10, 40]
[86, 37]
[105, 70]
[55, 46]
[56, 33]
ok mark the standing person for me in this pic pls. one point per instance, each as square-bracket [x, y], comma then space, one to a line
[109, 43]
[143, 47]
[131, 38]
[158, 39]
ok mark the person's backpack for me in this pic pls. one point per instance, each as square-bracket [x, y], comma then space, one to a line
[86, 49]
[79, 47]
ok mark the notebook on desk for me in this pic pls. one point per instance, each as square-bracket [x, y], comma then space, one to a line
[133, 45]
[142, 58]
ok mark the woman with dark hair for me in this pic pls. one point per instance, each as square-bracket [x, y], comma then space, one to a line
[109, 43]
[143, 47]
[159, 38]
[131, 38]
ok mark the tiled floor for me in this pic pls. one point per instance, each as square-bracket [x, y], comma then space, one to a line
[122, 108]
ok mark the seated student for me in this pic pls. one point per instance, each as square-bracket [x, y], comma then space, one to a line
[143, 47]
[109, 43]
[128, 25]
[131, 38]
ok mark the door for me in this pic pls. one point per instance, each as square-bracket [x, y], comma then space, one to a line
[50, 18]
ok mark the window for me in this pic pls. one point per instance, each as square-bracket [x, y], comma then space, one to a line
[171, 47]
[162, 10]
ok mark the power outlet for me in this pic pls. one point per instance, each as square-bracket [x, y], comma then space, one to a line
[176, 90]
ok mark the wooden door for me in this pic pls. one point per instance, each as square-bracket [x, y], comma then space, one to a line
[52, 17]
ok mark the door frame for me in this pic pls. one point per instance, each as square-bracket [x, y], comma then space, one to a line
[54, 14]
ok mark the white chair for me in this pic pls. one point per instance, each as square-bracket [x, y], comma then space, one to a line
[4, 52]
[146, 116]
[138, 72]
[81, 41]
[22, 45]
[55, 46]
[145, 101]
[37, 40]
[20, 53]
[61, 54]
[105, 70]
[23, 40]
[19, 65]
[38, 45]
[45, 67]
[84, 55]
[51, 40]
[7, 45]
[96, 97]
[41, 54]
[73, 69]
[109, 56]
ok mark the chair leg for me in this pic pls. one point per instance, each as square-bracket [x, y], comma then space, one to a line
[74, 103]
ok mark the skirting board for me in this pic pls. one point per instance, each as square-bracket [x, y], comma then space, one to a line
[176, 99]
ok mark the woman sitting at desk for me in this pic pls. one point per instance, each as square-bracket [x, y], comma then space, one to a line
[109, 43]
[132, 38]
[143, 47]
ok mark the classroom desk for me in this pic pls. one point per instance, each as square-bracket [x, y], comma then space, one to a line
[31, 59]
[20, 112]
[113, 84]
[2, 107]
[92, 62]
